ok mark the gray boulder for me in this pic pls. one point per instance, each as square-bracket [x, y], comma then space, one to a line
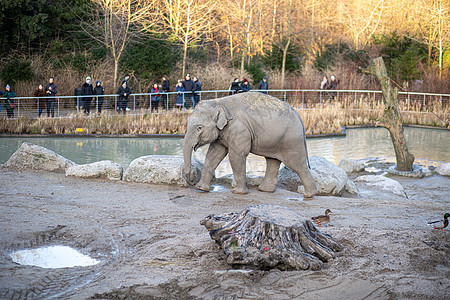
[383, 183]
[443, 169]
[426, 172]
[100, 169]
[329, 178]
[30, 156]
[161, 169]
[351, 166]
[351, 188]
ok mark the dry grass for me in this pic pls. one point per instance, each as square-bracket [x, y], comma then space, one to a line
[319, 118]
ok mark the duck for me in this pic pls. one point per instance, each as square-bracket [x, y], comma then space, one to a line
[440, 224]
[322, 219]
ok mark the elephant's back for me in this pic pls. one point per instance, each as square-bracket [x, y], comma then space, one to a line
[258, 102]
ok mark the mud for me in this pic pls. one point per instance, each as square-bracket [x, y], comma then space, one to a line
[151, 245]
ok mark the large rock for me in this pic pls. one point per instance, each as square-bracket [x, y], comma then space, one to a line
[329, 178]
[30, 156]
[100, 169]
[351, 166]
[161, 169]
[252, 180]
[443, 169]
[383, 183]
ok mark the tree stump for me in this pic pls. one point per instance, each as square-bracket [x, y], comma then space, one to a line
[271, 236]
[392, 120]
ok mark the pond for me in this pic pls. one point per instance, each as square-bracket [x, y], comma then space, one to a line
[429, 146]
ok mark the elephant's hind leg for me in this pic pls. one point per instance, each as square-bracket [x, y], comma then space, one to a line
[269, 183]
[297, 162]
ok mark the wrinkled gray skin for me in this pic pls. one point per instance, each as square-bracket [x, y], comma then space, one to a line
[244, 123]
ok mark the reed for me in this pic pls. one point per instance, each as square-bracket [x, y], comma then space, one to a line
[319, 118]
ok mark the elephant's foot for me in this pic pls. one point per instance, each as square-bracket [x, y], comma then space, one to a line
[309, 195]
[240, 191]
[267, 187]
[202, 187]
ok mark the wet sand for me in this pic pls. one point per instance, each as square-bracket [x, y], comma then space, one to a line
[151, 245]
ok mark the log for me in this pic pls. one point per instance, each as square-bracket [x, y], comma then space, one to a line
[392, 120]
[271, 236]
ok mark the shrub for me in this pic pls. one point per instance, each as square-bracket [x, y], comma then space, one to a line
[16, 70]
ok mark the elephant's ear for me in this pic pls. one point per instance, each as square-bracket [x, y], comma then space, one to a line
[223, 116]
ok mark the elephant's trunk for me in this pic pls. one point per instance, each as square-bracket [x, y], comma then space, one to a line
[188, 146]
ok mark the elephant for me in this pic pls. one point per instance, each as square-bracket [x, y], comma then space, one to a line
[242, 123]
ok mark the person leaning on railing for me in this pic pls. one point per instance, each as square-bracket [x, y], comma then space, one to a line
[40, 102]
[9, 96]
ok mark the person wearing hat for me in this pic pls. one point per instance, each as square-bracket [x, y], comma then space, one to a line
[263, 85]
[189, 87]
[9, 101]
[50, 91]
[98, 90]
[87, 90]
[333, 86]
[245, 86]
[39, 93]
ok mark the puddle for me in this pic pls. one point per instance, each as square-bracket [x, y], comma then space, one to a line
[53, 257]
[218, 188]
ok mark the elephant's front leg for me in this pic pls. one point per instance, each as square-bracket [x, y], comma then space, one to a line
[214, 156]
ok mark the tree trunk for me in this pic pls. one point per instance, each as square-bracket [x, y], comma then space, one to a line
[271, 236]
[392, 119]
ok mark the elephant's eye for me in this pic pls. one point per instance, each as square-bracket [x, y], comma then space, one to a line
[199, 128]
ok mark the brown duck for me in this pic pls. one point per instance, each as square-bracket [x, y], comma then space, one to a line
[320, 220]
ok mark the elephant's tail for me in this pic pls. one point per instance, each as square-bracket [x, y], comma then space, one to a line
[306, 148]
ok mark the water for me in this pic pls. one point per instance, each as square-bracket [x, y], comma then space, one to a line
[52, 257]
[428, 145]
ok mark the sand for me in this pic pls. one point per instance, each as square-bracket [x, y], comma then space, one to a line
[151, 245]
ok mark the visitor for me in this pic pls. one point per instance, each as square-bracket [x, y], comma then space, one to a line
[234, 87]
[333, 86]
[179, 89]
[263, 85]
[165, 88]
[123, 91]
[87, 90]
[98, 90]
[197, 90]
[9, 96]
[324, 83]
[40, 102]
[188, 85]
[245, 86]
[155, 97]
[50, 90]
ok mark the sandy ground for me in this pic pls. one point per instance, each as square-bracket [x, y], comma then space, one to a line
[151, 245]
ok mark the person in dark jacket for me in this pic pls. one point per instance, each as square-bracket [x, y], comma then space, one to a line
[98, 90]
[87, 90]
[333, 86]
[155, 96]
[235, 86]
[9, 96]
[180, 95]
[188, 85]
[50, 91]
[40, 102]
[263, 85]
[165, 88]
[123, 91]
[245, 86]
[197, 89]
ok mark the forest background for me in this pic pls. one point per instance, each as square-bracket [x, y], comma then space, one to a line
[293, 42]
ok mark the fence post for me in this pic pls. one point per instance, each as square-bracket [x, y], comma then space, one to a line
[115, 103]
[134, 102]
[303, 99]
[58, 107]
[18, 107]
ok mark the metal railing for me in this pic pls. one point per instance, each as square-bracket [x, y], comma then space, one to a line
[300, 99]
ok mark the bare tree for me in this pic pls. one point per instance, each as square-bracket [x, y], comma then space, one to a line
[115, 23]
[185, 21]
